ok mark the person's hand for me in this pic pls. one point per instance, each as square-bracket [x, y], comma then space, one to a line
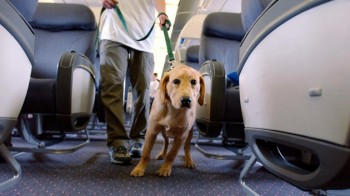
[109, 3]
[162, 18]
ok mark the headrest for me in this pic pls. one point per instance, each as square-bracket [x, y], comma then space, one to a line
[61, 16]
[26, 8]
[251, 9]
[224, 25]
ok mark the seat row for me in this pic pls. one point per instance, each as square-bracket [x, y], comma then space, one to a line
[48, 75]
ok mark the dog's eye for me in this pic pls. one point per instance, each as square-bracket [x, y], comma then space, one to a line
[193, 82]
[176, 81]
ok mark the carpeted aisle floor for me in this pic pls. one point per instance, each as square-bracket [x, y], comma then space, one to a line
[88, 171]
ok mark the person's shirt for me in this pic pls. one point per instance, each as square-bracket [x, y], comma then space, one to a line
[153, 88]
[139, 17]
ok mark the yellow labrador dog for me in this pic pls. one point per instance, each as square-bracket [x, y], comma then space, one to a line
[173, 114]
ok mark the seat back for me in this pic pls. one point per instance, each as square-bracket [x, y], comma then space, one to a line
[61, 28]
[16, 60]
[220, 40]
[218, 55]
[297, 120]
[25, 8]
[184, 12]
[192, 54]
[251, 10]
[61, 87]
[62, 84]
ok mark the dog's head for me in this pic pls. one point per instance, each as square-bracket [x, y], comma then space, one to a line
[182, 86]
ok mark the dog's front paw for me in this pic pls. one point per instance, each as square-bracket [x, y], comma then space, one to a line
[164, 171]
[189, 163]
[137, 172]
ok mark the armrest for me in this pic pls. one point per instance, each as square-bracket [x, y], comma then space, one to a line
[209, 118]
[75, 91]
[69, 62]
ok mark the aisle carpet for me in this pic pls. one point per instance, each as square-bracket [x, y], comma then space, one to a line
[88, 171]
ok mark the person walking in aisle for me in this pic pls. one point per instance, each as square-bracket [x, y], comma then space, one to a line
[119, 51]
[153, 88]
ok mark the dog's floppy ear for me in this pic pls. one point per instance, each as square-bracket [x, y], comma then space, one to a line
[162, 88]
[201, 91]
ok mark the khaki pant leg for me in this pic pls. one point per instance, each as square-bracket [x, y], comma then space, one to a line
[141, 73]
[113, 65]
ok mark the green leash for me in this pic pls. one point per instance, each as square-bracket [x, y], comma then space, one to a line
[122, 19]
[168, 42]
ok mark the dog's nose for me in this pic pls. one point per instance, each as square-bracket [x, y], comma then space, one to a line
[186, 102]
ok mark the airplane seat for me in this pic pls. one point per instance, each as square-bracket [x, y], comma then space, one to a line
[17, 58]
[297, 119]
[61, 92]
[192, 54]
[218, 55]
[73, 26]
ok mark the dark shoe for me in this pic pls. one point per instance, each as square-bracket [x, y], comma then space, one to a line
[119, 155]
[136, 149]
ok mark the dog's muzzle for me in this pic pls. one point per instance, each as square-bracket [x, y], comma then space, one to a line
[186, 102]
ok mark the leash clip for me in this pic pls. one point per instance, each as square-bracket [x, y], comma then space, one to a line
[172, 63]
